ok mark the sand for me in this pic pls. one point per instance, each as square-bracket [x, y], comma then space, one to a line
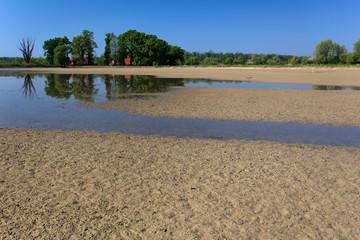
[87, 185]
[339, 108]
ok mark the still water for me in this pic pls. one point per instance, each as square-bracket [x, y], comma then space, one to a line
[46, 101]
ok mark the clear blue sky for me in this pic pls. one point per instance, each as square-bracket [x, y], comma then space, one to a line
[249, 26]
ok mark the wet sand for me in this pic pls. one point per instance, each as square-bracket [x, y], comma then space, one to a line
[339, 108]
[82, 185]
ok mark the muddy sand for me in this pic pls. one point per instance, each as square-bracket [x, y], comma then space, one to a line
[88, 185]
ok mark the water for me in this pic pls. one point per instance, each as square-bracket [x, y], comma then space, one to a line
[47, 102]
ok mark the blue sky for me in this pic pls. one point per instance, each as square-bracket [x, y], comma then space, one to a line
[250, 26]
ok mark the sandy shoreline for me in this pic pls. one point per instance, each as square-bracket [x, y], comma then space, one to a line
[306, 75]
[79, 184]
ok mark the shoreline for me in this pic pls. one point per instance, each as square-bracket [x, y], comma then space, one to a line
[312, 76]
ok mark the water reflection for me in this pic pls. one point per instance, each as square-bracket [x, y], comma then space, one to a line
[83, 87]
[110, 87]
[28, 87]
[127, 86]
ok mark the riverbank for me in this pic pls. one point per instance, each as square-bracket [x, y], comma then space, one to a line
[80, 184]
[305, 75]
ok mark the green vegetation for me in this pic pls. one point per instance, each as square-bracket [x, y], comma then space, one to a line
[148, 50]
[50, 46]
[83, 48]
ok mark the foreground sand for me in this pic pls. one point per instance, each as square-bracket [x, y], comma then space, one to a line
[82, 185]
[339, 108]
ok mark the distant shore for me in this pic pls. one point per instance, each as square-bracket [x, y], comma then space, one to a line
[303, 75]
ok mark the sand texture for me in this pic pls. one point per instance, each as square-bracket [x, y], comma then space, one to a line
[305, 75]
[340, 108]
[87, 185]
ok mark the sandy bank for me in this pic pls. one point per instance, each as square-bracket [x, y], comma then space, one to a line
[307, 75]
[340, 108]
[71, 185]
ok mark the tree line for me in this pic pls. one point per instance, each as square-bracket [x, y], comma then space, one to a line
[143, 49]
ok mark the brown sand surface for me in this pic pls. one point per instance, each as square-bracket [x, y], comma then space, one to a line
[340, 108]
[305, 75]
[87, 185]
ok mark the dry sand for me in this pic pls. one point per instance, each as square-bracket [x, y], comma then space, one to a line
[339, 108]
[306, 75]
[86, 185]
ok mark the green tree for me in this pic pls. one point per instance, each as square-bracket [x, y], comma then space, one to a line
[114, 50]
[61, 54]
[83, 47]
[352, 58]
[175, 55]
[50, 45]
[357, 47]
[240, 59]
[147, 49]
[322, 51]
[107, 54]
[295, 60]
[335, 53]
[129, 44]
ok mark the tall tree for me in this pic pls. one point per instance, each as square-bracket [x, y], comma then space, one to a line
[83, 47]
[50, 45]
[130, 43]
[114, 50]
[26, 48]
[107, 54]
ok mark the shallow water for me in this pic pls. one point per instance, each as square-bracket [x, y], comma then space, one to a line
[47, 102]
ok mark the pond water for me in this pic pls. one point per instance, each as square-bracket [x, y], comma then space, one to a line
[47, 101]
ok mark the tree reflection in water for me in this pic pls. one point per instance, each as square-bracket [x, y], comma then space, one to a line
[58, 85]
[82, 87]
[28, 87]
[120, 87]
